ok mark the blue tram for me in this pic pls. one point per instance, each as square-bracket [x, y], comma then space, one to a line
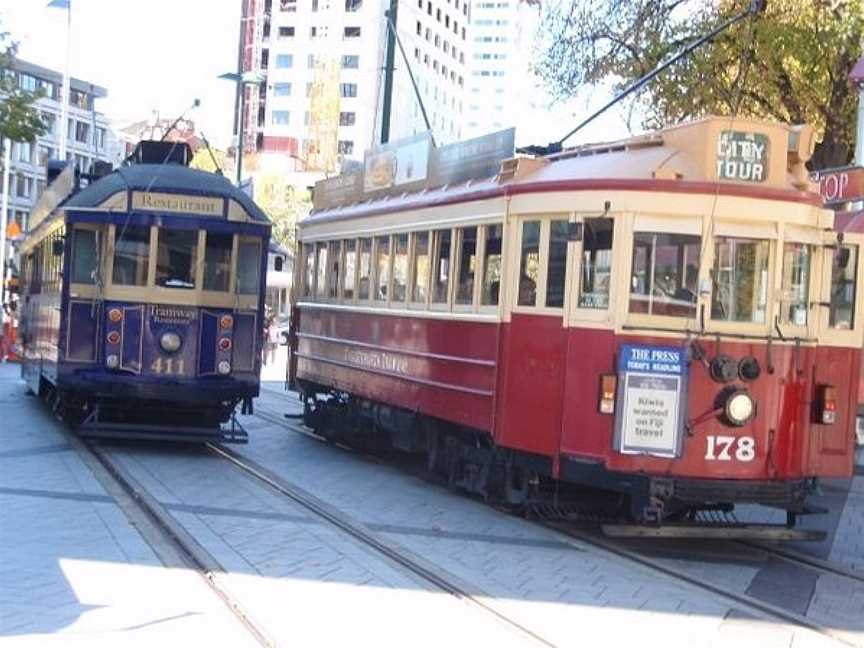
[143, 298]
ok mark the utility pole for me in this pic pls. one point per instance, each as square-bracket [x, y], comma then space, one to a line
[389, 70]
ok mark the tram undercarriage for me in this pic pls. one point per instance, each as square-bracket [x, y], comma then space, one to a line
[623, 505]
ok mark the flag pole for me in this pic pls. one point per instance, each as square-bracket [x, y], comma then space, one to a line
[64, 98]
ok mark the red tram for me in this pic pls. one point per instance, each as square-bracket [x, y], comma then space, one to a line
[668, 324]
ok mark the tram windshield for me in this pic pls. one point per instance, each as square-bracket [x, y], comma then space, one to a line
[176, 253]
[131, 255]
[843, 285]
[740, 280]
[665, 274]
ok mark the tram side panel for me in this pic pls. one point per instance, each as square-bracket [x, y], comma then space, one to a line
[438, 367]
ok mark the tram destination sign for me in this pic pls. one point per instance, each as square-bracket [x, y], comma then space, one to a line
[742, 156]
[652, 390]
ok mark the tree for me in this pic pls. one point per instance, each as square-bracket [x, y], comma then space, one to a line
[20, 121]
[284, 204]
[205, 161]
[790, 62]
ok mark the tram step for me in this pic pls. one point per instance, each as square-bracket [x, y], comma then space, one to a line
[720, 531]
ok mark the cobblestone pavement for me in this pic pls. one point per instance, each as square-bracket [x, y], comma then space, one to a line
[73, 570]
[532, 574]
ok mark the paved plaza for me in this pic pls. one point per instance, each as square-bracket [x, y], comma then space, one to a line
[85, 571]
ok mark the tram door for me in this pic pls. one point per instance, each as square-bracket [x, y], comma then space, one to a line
[533, 342]
[839, 356]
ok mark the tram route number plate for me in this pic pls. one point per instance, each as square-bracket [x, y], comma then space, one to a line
[652, 382]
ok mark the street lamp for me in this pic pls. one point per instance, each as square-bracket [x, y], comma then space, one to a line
[242, 80]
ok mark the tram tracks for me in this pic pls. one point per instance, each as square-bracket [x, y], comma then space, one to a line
[164, 533]
[737, 600]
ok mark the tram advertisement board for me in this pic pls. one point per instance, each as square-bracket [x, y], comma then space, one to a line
[652, 389]
[742, 156]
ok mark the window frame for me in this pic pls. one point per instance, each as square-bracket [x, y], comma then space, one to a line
[376, 240]
[833, 336]
[446, 305]
[412, 270]
[540, 308]
[457, 269]
[585, 314]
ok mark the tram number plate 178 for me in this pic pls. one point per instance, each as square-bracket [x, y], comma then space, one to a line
[727, 448]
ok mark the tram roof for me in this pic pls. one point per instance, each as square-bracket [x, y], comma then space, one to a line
[168, 178]
[681, 158]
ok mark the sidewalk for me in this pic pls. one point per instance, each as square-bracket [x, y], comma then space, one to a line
[74, 571]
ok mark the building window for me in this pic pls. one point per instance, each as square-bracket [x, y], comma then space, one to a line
[45, 154]
[438, 15]
[281, 89]
[288, 5]
[280, 117]
[82, 132]
[27, 82]
[352, 32]
[286, 32]
[347, 118]
[350, 62]
[353, 5]
[419, 28]
[311, 61]
[25, 152]
[348, 89]
[346, 147]
[313, 32]
[79, 99]
[284, 61]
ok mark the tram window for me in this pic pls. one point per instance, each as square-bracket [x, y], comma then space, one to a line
[467, 261]
[321, 269]
[596, 263]
[175, 258]
[217, 261]
[441, 240]
[420, 267]
[333, 254]
[350, 248]
[248, 267]
[400, 267]
[665, 274]
[796, 284]
[382, 267]
[843, 284]
[556, 268]
[740, 280]
[492, 265]
[131, 255]
[365, 268]
[309, 269]
[83, 256]
[529, 264]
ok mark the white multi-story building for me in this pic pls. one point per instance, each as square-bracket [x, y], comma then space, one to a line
[499, 82]
[89, 137]
[324, 60]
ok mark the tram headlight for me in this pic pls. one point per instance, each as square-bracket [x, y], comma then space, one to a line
[740, 407]
[112, 361]
[170, 341]
[226, 321]
[224, 368]
[115, 315]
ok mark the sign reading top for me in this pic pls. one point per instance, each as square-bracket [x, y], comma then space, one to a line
[177, 203]
[742, 156]
[413, 164]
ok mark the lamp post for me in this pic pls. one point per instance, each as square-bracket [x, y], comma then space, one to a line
[242, 80]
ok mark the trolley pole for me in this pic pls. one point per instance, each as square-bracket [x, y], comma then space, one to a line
[7, 163]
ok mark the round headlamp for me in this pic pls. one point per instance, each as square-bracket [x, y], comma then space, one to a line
[739, 408]
[115, 315]
[224, 368]
[112, 361]
[170, 342]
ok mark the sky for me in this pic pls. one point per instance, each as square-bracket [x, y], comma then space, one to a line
[163, 54]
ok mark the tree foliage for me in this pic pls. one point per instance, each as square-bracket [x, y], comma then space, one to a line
[204, 160]
[285, 204]
[790, 62]
[20, 121]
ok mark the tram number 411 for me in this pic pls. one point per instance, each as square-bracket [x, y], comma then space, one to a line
[168, 366]
[727, 448]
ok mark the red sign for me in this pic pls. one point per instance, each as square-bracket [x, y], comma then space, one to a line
[841, 185]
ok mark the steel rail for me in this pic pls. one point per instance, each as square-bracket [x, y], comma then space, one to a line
[801, 558]
[368, 538]
[177, 537]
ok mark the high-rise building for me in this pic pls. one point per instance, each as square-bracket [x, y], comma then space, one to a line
[89, 137]
[322, 96]
[499, 82]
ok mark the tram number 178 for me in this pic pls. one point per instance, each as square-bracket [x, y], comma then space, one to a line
[168, 366]
[726, 448]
